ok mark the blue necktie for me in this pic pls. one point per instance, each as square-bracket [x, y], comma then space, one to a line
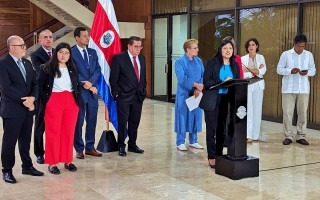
[22, 69]
[85, 58]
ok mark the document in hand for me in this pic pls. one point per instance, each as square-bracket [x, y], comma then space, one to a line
[193, 102]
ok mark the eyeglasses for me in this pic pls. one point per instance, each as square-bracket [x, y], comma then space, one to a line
[22, 46]
[138, 47]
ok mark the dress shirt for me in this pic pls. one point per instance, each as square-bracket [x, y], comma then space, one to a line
[81, 51]
[295, 83]
[137, 59]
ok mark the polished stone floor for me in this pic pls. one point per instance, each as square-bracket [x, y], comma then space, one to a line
[163, 172]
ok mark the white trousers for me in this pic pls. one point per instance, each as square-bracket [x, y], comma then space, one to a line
[254, 111]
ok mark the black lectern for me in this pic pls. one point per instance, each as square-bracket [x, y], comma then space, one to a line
[237, 164]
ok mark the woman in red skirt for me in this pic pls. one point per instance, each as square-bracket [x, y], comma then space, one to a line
[60, 100]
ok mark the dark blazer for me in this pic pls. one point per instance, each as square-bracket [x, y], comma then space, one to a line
[123, 81]
[46, 85]
[13, 87]
[211, 78]
[39, 57]
[92, 75]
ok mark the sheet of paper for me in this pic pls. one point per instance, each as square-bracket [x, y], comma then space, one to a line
[193, 102]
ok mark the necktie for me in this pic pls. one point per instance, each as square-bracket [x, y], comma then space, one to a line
[135, 66]
[85, 58]
[22, 69]
[49, 54]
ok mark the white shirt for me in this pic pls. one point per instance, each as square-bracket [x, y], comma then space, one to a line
[63, 83]
[295, 83]
[137, 59]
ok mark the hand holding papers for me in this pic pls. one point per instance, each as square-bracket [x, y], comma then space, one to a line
[193, 102]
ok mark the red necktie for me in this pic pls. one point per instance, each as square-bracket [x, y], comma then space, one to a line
[136, 69]
[49, 53]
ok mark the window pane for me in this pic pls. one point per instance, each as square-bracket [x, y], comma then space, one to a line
[210, 29]
[311, 28]
[198, 5]
[256, 2]
[170, 6]
[275, 29]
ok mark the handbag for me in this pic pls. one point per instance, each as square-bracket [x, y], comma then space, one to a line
[107, 142]
[209, 100]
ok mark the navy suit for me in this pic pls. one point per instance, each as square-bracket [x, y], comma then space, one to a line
[90, 109]
[39, 57]
[129, 94]
[17, 119]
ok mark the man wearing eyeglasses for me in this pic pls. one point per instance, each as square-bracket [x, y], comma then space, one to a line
[42, 55]
[19, 90]
[128, 88]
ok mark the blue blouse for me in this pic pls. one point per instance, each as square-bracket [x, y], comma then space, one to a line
[225, 71]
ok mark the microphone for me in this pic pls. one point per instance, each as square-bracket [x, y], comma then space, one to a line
[254, 75]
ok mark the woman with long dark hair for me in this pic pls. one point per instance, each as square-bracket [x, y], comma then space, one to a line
[60, 94]
[218, 69]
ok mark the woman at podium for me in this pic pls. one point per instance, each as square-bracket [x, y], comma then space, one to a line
[254, 65]
[218, 69]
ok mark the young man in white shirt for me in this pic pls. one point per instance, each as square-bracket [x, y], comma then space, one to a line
[296, 65]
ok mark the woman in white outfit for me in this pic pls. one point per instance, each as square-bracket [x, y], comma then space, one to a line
[254, 65]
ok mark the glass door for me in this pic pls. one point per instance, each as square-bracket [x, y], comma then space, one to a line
[160, 58]
[169, 35]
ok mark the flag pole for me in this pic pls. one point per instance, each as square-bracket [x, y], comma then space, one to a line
[106, 116]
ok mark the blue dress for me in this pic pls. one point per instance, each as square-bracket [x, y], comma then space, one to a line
[187, 72]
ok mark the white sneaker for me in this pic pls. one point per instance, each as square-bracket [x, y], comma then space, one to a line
[182, 147]
[196, 146]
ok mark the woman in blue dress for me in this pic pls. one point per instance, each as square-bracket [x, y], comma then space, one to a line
[189, 71]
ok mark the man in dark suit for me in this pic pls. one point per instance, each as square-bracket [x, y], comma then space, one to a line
[128, 88]
[89, 71]
[39, 57]
[19, 90]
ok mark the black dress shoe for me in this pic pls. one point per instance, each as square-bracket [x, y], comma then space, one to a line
[54, 170]
[135, 149]
[40, 160]
[302, 141]
[71, 167]
[287, 141]
[8, 177]
[122, 151]
[32, 171]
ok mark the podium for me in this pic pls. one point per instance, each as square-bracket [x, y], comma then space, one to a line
[237, 164]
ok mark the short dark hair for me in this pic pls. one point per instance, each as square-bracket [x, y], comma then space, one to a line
[132, 39]
[77, 31]
[246, 45]
[300, 38]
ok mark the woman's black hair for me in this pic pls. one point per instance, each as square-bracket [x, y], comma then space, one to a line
[219, 57]
[52, 66]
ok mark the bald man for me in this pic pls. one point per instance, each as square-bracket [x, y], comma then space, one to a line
[39, 57]
[19, 90]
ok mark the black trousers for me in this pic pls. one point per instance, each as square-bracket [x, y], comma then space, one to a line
[38, 133]
[16, 129]
[129, 115]
[214, 139]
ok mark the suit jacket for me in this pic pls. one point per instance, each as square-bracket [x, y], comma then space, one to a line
[123, 81]
[39, 57]
[92, 75]
[13, 87]
[46, 84]
[260, 60]
[210, 78]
